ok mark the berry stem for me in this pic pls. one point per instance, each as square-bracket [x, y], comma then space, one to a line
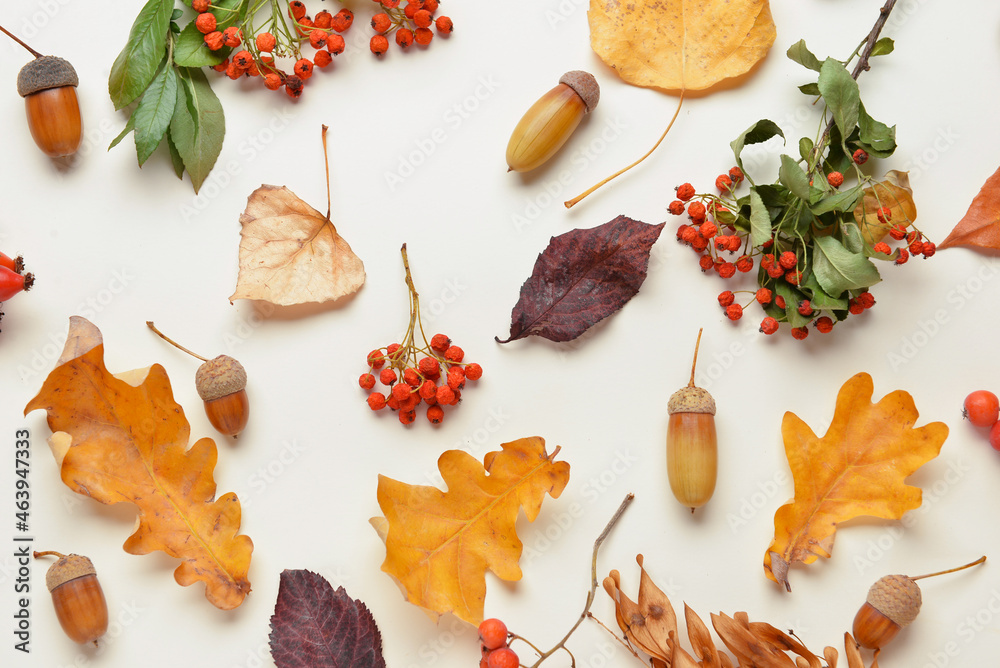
[149, 323]
[47, 553]
[952, 570]
[694, 362]
[579, 197]
[326, 163]
[18, 40]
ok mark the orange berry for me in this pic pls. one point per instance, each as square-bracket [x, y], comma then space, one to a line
[376, 401]
[213, 40]
[266, 42]
[296, 9]
[335, 44]
[381, 22]
[387, 376]
[205, 23]
[444, 25]
[200, 5]
[323, 20]
[231, 36]
[503, 658]
[317, 39]
[243, 59]
[343, 20]
[440, 342]
[221, 67]
[379, 44]
[473, 371]
[454, 354]
[303, 68]
[404, 37]
[322, 59]
[430, 5]
[435, 414]
[407, 416]
[423, 19]
[272, 81]
[423, 36]
[492, 633]
[835, 179]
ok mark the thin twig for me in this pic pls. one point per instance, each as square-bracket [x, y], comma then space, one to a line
[593, 583]
[18, 40]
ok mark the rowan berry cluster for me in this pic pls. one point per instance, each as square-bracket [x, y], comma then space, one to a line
[12, 277]
[433, 373]
[494, 643]
[410, 22]
[721, 232]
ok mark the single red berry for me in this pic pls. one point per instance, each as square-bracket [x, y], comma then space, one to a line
[915, 235]
[736, 174]
[473, 371]
[697, 211]
[428, 390]
[444, 25]
[788, 260]
[404, 38]
[200, 5]
[454, 354]
[389, 4]
[824, 325]
[342, 20]
[768, 325]
[335, 44]
[430, 5]
[375, 357]
[800, 332]
[423, 36]
[917, 247]
[793, 277]
[378, 44]
[995, 437]
[866, 299]
[303, 68]
[689, 234]
[734, 311]
[266, 42]
[317, 39]
[706, 262]
[835, 179]
[903, 256]
[805, 307]
[422, 19]
[884, 214]
[293, 86]
[323, 20]
[855, 307]
[898, 232]
[685, 191]
[400, 392]
[445, 395]
[242, 59]
[435, 414]
[231, 36]
[221, 67]
[411, 9]
[882, 247]
[726, 298]
[411, 377]
[387, 376]
[429, 367]
[775, 271]
[367, 381]
[744, 264]
[272, 81]
[504, 657]
[205, 23]
[234, 71]
[723, 183]
[763, 296]
[322, 59]
[676, 207]
[393, 351]
[733, 243]
[296, 9]
[860, 157]
[928, 249]
[407, 416]
[767, 261]
[456, 378]
[727, 270]
[376, 401]
[492, 633]
[699, 244]
[721, 242]
[440, 342]
[708, 229]
[213, 40]
[779, 301]
[981, 408]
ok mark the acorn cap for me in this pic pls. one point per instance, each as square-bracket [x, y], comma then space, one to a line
[585, 86]
[691, 400]
[69, 567]
[44, 73]
[220, 377]
[897, 597]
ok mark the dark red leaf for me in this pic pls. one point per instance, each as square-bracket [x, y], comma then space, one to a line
[980, 228]
[581, 278]
[314, 626]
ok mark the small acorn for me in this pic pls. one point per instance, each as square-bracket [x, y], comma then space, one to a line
[692, 450]
[551, 120]
[221, 384]
[77, 597]
[48, 86]
[893, 603]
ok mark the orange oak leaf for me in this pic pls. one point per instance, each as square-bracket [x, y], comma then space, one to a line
[858, 468]
[119, 441]
[980, 228]
[439, 545]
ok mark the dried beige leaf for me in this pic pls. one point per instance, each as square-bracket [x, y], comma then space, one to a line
[649, 622]
[895, 194]
[290, 253]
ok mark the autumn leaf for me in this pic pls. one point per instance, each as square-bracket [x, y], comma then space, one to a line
[980, 227]
[119, 441]
[314, 626]
[893, 193]
[439, 545]
[682, 45]
[650, 622]
[290, 253]
[582, 277]
[858, 468]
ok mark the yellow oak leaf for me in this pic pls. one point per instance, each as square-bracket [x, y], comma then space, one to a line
[680, 44]
[439, 545]
[127, 441]
[858, 468]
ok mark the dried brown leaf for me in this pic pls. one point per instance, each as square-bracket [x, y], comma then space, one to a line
[980, 227]
[649, 622]
[701, 639]
[741, 641]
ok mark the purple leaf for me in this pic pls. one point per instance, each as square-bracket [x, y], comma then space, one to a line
[581, 278]
[314, 626]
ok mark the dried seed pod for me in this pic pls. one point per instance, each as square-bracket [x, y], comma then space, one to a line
[551, 120]
[77, 596]
[692, 449]
[48, 86]
[221, 384]
[892, 603]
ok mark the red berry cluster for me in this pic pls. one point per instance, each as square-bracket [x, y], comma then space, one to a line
[727, 250]
[12, 277]
[494, 642]
[410, 22]
[433, 373]
[982, 409]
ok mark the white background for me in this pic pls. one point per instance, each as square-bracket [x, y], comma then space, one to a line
[121, 246]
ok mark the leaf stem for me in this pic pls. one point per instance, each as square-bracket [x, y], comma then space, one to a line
[18, 40]
[694, 363]
[579, 197]
[149, 323]
[593, 584]
[952, 570]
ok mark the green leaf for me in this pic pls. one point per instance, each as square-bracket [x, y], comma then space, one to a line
[760, 220]
[841, 94]
[810, 89]
[152, 116]
[806, 147]
[883, 47]
[803, 56]
[853, 240]
[198, 125]
[190, 49]
[792, 298]
[876, 135]
[838, 269]
[129, 126]
[136, 65]
[176, 14]
[175, 157]
[819, 298]
[759, 132]
[793, 177]
[841, 201]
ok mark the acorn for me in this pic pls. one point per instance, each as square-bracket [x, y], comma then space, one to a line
[692, 450]
[551, 120]
[221, 384]
[893, 603]
[48, 86]
[77, 597]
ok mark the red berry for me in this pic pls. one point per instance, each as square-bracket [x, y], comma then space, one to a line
[860, 157]
[423, 36]
[428, 392]
[835, 179]
[303, 68]
[445, 395]
[404, 38]
[917, 247]
[929, 249]
[213, 40]
[296, 9]
[794, 277]
[376, 359]
[685, 191]
[387, 376]
[367, 381]
[503, 658]
[884, 214]
[744, 263]
[903, 256]
[335, 44]
[473, 371]
[454, 354]
[200, 5]
[422, 19]
[266, 42]
[411, 377]
[763, 296]
[982, 408]
[322, 58]
[800, 332]
[866, 299]
[736, 174]
[376, 401]
[723, 183]
[429, 367]
[995, 437]
[342, 20]
[205, 23]
[767, 261]
[456, 378]
[779, 301]
[726, 298]
[323, 20]
[444, 25]
[401, 392]
[788, 260]
[492, 633]
[734, 311]
[706, 262]
[435, 414]
[697, 211]
[440, 342]
[272, 81]
[676, 207]
[882, 247]
[708, 229]
[727, 270]
[824, 324]
[898, 232]
[733, 243]
[407, 416]
[769, 325]
[293, 85]
[231, 36]
[775, 271]
[805, 308]
[378, 44]
[855, 307]
[317, 39]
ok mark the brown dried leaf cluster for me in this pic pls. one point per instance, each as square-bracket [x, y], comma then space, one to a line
[650, 624]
